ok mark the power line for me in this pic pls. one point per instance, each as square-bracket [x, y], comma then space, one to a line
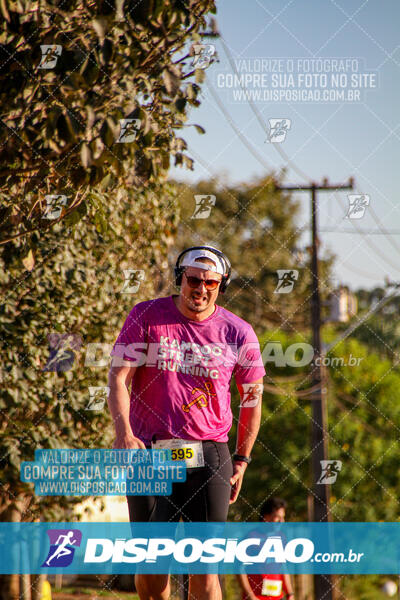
[361, 231]
[359, 271]
[371, 243]
[285, 156]
[260, 119]
[264, 164]
[382, 228]
[236, 129]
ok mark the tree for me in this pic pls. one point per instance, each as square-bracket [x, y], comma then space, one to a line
[78, 78]
[380, 331]
[91, 97]
[256, 226]
[363, 416]
[74, 287]
[363, 412]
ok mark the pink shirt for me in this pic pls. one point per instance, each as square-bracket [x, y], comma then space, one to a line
[184, 367]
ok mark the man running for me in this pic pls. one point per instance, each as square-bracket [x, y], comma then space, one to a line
[179, 354]
[272, 586]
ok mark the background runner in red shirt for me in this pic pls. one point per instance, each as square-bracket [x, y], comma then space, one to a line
[272, 586]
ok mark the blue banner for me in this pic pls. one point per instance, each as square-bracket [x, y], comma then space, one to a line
[99, 472]
[342, 548]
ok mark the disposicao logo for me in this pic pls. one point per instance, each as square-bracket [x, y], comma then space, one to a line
[192, 550]
[62, 547]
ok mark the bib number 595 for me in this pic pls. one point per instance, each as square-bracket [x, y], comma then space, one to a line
[181, 453]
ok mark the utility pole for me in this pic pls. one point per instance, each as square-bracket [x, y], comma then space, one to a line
[319, 447]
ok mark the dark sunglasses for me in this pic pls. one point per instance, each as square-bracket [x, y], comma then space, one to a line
[194, 282]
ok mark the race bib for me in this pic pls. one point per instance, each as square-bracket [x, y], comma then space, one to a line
[187, 450]
[271, 587]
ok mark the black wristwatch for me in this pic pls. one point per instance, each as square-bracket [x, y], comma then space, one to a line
[241, 458]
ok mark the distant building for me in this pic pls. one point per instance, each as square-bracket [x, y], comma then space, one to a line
[342, 305]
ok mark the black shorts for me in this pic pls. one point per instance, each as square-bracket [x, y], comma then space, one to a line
[204, 496]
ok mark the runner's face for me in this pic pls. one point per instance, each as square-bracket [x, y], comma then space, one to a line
[199, 299]
[277, 516]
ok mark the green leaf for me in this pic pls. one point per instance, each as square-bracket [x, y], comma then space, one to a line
[107, 134]
[119, 10]
[106, 182]
[200, 75]
[171, 81]
[90, 70]
[100, 26]
[100, 222]
[73, 218]
[29, 261]
[106, 51]
[192, 90]
[178, 159]
[82, 209]
[199, 128]
[180, 104]
[4, 10]
[86, 155]
[165, 160]
[188, 161]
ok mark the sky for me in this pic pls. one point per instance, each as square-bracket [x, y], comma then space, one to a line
[346, 124]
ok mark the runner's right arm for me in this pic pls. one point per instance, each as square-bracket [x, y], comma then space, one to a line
[119, 379]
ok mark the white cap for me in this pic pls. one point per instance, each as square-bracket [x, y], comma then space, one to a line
[190, 259]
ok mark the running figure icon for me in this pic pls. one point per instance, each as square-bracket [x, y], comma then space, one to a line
[330, 471]
[62, 549]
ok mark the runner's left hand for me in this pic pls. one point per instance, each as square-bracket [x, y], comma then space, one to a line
[237, 479]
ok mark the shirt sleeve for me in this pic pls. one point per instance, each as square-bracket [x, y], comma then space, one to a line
[249, 366]
[131, 342]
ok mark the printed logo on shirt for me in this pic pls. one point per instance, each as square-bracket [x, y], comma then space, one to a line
[201, 396]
